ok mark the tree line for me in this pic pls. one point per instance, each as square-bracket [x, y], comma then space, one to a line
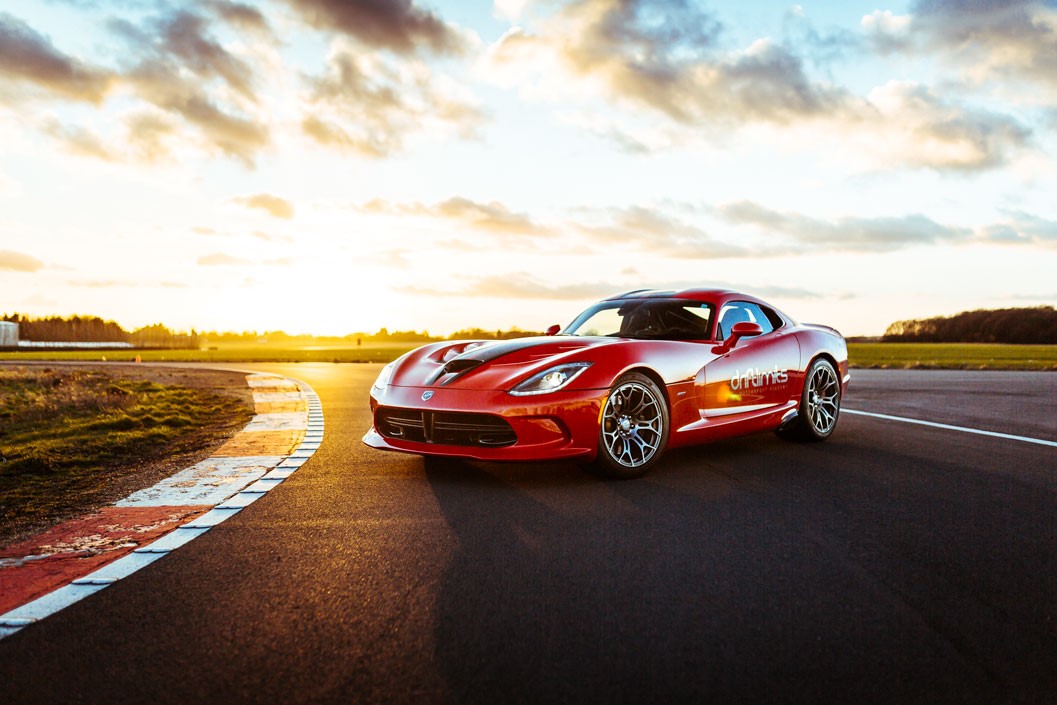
[383, 335]
[1036, 325]
[92, 329]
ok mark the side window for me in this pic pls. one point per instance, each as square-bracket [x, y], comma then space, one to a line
[739, 312]
[773, 317]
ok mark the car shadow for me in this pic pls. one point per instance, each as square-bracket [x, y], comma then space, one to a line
[680, 586]
[747, 570]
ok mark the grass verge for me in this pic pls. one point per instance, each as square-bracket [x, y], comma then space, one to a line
[75, 438]
[953, 356]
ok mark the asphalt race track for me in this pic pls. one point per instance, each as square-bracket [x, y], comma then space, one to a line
[896, 563]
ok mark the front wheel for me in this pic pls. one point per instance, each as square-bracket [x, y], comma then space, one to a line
[819, 404]
[634, 429]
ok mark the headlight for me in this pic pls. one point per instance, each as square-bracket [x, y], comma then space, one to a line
[383, 377]
[550, 380]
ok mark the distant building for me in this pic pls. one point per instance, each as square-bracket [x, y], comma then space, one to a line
[8, 334]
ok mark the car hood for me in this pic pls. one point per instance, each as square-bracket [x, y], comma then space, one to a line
[490, 364]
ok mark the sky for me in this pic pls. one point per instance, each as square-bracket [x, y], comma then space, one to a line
[327, 167]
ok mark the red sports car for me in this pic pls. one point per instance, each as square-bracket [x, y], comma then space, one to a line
[630, 377]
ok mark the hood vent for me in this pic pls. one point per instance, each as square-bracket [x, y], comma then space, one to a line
[461, 364]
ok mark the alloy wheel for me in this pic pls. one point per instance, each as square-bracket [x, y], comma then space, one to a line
[632, 425]
[823, 399]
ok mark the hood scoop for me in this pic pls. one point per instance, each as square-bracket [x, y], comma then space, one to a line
[461, 364]
[453, 369]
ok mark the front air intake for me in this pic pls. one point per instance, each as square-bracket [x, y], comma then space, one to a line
[445, 428]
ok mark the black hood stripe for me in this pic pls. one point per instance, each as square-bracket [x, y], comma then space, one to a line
[491, 351]
[472, 359]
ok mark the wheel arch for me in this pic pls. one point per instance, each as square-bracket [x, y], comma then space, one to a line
[657, 379]
[820, 355]
[824, 355]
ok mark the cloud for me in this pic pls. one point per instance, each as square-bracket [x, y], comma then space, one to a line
[519, 285]
[179, 68]
[652, 57]
[368, 103]
[273, 205]
[991, 40]
[182, 40]
[665, 57]
[242, 16]
[658, 233]
[916, 127]
[127, 283]
[149, 135]
[190, 86]
[886, 31]
[220, 259]
[397, 25]
[766, 291]
[1020, 228]
[30, 57]
[492, 217]
[19, 262]
[850, 234]
[78, 140]
[268, 237]
[172, 71]
[998, 38]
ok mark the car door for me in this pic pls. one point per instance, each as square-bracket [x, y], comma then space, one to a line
[754, 375]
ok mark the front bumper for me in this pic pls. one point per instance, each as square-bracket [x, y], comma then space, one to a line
[560, 425]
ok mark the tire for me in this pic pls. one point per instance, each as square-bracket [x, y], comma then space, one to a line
[819, 404]
[633, 432]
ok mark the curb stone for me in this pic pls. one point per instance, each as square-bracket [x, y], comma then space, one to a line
[78, 558]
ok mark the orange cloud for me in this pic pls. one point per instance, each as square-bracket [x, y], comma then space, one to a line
[492, 217]
[273, 205]
[220, 259]
[19, 262]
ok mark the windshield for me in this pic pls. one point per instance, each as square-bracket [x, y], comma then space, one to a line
[652, 319]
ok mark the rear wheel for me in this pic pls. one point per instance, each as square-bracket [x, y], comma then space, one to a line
[634, 429]
[819, 404]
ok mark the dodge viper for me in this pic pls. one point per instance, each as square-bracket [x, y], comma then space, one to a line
[630, 377]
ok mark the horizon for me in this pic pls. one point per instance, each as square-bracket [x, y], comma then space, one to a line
[329, 167]
[384, 330]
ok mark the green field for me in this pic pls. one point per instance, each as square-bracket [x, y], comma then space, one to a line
[892, 355]
[953, 356]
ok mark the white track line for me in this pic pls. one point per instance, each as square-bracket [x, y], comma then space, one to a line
[948, 427]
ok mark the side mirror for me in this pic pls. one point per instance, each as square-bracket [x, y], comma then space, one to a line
[745, 329]
[553, 330]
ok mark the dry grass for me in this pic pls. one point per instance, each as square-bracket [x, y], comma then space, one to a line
[73, 438]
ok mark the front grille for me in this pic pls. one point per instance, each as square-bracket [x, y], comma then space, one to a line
[445, 427]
